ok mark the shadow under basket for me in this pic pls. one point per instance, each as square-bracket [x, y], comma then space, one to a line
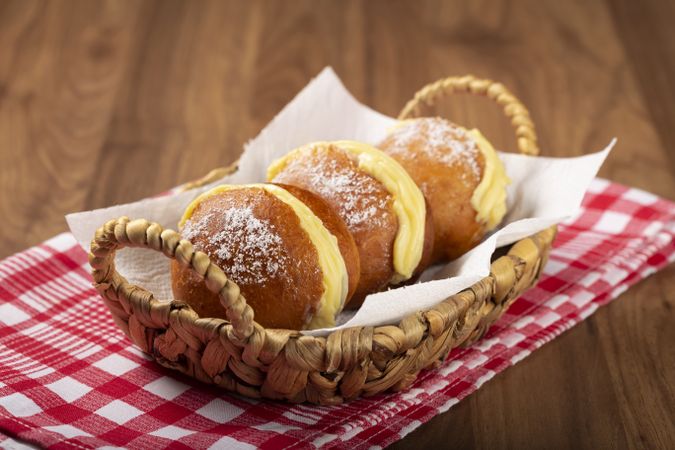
[240, 355]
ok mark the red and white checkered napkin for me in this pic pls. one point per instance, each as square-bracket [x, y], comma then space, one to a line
[69, 378]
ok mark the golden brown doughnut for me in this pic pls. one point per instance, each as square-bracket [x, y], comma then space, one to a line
[290, 259]
[392, 234]
[460, 175]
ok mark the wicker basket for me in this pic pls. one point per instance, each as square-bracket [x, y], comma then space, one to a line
[242, 356]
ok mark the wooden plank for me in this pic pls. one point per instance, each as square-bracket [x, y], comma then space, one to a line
[182, 109]
[646, 31]
[59, 74]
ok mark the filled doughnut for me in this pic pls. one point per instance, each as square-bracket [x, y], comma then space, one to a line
[379, 202]
[461, 177]
[290, 254]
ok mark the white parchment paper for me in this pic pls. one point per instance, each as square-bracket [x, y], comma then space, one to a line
[544, 191]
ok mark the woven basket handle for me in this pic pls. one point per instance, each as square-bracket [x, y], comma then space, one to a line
[123, 232]
[526, 137]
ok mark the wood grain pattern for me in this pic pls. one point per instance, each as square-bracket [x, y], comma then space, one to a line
[106, 102]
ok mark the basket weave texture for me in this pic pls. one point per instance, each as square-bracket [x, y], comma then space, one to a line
[240, 355]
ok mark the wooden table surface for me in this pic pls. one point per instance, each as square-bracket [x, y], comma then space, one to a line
[108, 102]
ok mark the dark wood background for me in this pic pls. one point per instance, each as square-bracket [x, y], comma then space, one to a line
[108, 102]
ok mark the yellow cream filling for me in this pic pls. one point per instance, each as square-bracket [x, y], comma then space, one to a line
[408, 201]
[489, 198]
[335, 278]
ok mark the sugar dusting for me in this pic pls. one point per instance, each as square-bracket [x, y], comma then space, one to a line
[358, 205]
[193, 229]
[250, 247]
[438, 138]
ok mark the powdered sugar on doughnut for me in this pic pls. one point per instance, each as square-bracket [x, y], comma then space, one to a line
[196, 228]
[439, 139]
[250, 247]
[358, 206]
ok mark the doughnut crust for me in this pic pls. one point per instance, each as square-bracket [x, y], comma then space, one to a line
[258, 241]
[447, 165]
[363, 202]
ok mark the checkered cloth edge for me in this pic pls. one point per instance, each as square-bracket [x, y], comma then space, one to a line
[70, 379]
